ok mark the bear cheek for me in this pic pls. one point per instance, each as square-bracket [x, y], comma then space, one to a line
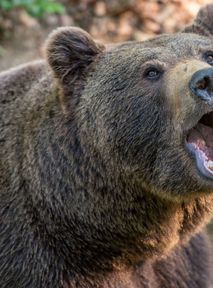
[182, 105]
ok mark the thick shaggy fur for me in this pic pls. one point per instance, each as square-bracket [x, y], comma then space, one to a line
[96, 188]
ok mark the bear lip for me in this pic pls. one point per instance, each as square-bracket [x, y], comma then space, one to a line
[199, 142]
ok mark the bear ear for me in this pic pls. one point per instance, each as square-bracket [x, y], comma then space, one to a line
[203, 23]
[69, 52]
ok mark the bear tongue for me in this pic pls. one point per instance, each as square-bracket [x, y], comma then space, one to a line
[202, 136]
[207, 134]
[200, 142]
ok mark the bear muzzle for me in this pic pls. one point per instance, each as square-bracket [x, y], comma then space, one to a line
[200, 138]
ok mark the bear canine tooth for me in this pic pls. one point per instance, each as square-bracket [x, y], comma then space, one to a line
[210, 164]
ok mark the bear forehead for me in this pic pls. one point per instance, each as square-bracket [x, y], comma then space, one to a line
[179, 45]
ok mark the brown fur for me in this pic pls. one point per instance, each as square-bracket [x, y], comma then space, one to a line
[97, 189]
[203, 24]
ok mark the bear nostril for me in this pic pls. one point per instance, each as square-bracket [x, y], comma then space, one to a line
[203, 83]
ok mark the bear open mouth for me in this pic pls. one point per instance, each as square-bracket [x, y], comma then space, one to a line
[199, 141]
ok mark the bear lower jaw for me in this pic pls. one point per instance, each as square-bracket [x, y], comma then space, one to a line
[199, 143]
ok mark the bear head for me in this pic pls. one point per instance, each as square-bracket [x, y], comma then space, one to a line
[146, 107]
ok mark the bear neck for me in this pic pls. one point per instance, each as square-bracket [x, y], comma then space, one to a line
[97, 219]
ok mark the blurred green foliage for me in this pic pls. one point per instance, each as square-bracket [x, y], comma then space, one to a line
[36, 8]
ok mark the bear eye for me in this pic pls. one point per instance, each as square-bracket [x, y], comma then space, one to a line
[209, 57]
[152, 73]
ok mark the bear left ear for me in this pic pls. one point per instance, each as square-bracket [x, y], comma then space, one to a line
[203, 24]
[69, 52]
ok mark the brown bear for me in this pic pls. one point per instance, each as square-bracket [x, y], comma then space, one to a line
[106, 175]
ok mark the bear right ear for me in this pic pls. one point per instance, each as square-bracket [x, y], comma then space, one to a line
[203, 23]
[69, 52]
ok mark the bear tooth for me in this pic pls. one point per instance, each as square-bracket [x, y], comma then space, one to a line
[210, 165]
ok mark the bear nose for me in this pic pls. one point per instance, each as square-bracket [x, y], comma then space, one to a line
[201, 84]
